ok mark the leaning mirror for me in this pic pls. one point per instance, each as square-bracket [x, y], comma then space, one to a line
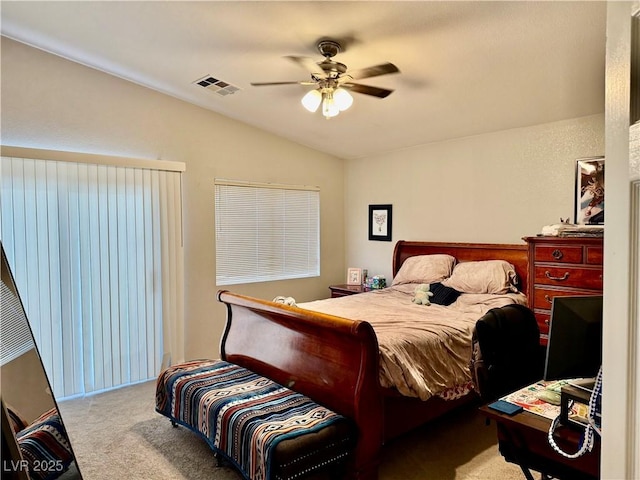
[35, 444]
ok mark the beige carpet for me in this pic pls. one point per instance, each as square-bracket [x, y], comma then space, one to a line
[118, 434]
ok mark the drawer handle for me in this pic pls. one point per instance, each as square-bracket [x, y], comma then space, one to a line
[547, 321]
[548, 298]
[560, 279]
[557, 254]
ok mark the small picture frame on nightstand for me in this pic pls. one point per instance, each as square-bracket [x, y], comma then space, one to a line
[354, 276]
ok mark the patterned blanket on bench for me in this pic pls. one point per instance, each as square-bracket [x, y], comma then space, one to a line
[241, 414]
[45, 446]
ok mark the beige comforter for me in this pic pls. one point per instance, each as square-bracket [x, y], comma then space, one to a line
[424, 350]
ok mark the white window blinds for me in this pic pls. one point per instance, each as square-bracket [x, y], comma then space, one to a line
[96, 252]
[15, 336]
[266, 232]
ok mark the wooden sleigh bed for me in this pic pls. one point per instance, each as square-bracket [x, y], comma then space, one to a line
[335, 360]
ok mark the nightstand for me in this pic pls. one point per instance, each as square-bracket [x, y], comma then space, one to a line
[344, 290]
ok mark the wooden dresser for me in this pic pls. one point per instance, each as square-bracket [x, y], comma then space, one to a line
[561, 266]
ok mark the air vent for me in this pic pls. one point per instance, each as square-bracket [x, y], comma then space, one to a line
[216, 86]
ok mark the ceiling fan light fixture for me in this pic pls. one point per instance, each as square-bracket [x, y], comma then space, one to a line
[329, 106]
[329, 77]
[311, 101]
[342, 98]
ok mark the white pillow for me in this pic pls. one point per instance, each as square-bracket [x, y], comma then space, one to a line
[425, 269]
[486, 276]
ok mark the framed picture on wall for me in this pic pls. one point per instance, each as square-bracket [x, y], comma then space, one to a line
[354, 276]
[380, 222]
[589, 191]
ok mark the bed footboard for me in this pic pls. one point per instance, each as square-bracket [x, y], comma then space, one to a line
[330, 359]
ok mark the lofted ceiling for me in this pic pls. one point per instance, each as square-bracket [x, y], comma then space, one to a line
[467, 68]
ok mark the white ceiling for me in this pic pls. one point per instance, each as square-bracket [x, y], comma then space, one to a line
[467, 68]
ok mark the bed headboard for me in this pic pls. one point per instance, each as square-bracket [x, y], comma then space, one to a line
[515, 254]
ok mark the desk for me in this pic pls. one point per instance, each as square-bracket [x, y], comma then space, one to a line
[522, 439]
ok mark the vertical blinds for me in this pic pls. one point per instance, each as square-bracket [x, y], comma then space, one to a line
[96, 252]
[266, 232]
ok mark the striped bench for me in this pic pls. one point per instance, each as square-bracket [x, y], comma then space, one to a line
[43, 443]
[267, 431]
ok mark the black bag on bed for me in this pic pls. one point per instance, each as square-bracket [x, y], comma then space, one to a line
[506, 351]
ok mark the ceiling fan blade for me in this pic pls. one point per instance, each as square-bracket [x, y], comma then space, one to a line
[376, 70]
[267, 84]
[309, 65]
[368, 90]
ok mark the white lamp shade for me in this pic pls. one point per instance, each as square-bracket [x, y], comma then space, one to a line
[342, 98]
[329, 107]
[311, 101]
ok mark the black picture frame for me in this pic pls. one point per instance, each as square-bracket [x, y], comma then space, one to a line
[589, 191]
[380, 217]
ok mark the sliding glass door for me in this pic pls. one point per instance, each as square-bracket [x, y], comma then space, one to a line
[96, 251]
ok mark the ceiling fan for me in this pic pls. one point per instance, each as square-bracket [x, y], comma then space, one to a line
[332, 80]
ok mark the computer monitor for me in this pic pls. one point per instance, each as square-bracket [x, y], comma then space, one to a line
[574, 349]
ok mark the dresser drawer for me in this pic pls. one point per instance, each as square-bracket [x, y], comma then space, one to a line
[543, 297]
[543, 319]
[565, 276]
[559, 253]
[594, 255]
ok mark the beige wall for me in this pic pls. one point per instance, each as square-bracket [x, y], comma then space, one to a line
[25, 386]
[497, 188]
[48, 102]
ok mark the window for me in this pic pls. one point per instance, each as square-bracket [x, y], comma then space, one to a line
[97, 258]
[15, 336]
[266, 232]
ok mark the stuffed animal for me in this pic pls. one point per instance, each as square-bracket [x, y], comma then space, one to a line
[286, 300]
[422, 294]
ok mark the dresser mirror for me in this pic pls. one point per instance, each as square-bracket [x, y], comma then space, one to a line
[34, 440]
